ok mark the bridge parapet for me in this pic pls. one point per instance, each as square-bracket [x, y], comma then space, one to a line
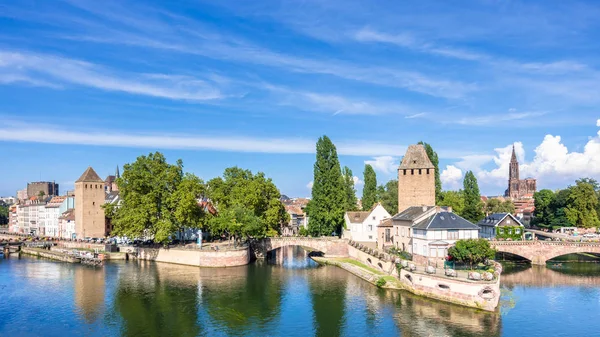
[539, 252]
[330, 246]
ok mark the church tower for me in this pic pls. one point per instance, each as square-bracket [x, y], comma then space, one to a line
[89, 198]
[513, 176]
[416, 179]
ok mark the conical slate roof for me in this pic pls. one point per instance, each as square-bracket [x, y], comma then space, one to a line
[90, 176]
[513, 158]
[416, 158]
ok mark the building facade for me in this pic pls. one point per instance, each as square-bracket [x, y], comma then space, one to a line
[518, 188]
[52, 215]
[501, 225]
[48, 188]
[416, 179]
[362, 226]
[89, 214]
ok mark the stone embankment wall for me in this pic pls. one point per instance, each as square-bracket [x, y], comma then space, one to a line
[476, 294]
[79, 245]
[195, 257]
[49, 255]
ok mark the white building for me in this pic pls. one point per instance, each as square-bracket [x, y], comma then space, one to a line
[66, 224]
[52, 214]
[362, 226]
[429, 231]
[32, 218]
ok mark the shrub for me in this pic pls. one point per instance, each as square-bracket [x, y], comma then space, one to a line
[380, 282]
[472, 251]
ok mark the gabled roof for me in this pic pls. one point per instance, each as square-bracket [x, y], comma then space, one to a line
[416, 158]
[496, 218]
[412, 213]
[90, 176]
[445, 220]
[386, 223]
[358, 217]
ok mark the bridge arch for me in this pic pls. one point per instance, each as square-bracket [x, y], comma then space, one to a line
[328, 246]
[539, 252]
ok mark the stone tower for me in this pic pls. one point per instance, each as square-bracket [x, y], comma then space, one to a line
[513, 176]
[89, 198]
[416, 179]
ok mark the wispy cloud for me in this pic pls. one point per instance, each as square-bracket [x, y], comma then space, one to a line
[417, 115]
[40, 69]
[46, 134]
[498, 118]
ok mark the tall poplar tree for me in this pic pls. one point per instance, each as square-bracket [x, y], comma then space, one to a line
[433, 157]
[369, 197]
[473, 210]
[326, 207]
[351, 202]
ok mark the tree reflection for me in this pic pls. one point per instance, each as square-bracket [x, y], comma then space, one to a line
[151, 305]
[328, 301]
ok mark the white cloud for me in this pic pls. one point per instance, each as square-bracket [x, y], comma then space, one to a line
[310, 185]
[357, 181]
[24, 132]
[451, 177]
[384, 164]
[553, 163]
[40, 69]
[598, 123]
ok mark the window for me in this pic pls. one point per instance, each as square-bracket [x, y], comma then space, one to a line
[508, 222]
[452, 234]
[427, 171]
[373, 217]
[437, 235]
[419, 171]
[500, 231]
[370, 237]
[404, 172]
[467, 234]
[387, 235]
[93, 203]
[370, 228]
[517, 230]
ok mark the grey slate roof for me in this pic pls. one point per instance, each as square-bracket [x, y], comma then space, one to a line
[412, 213]
[494, 219]
[90, 176]
[445, 220]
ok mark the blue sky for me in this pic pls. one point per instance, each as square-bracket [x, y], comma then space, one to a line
[255, 83]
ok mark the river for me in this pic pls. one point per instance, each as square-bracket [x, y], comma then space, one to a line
[288, 295]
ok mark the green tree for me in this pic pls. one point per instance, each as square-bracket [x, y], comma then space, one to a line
[496, 206]
[3, 214]
[454, 199]
[473, 210]
[472, 251]
[326, 208]
[147, 207]
[582, 204]
[433, 157]
[41, 195]
[543, 213]
[351, 202]
[248, 204]
[369, 197]
[388, 195]
[596, 186]
[558, 206]
[186, 212]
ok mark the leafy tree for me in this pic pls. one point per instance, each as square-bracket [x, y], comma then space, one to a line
[596, 186]
[582, 204]
[351, 202]
[41, 195]
[248, 204]
[369, 197]
[543, 213]
[433, 157]
[472, 251]
[473, 210]
[454, 199]
[388, 195]
[558, 206]
[3, 214]
[326, 208]
[147, 207]
[187, 213]
[496, 206]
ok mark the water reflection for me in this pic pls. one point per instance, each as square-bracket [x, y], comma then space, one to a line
[88, 285]
[287, 295]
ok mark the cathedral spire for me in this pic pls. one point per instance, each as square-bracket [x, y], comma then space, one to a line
[117, 175]
[513, 159]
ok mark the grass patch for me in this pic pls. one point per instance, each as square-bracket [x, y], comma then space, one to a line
[361, 265]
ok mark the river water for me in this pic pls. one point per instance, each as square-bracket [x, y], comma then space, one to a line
[288, 295]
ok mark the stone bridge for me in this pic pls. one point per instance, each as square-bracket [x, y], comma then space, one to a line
[330, 246]
[539, 252]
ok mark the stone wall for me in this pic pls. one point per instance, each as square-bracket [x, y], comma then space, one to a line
[387, 267]
[79, 245]
[416, 188]
[480, 294]
[195, 257]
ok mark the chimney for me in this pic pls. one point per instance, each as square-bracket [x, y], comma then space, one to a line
[449, 209]
[424, 208]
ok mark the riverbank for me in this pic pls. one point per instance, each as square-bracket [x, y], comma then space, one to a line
[474, 294]
[53, 255]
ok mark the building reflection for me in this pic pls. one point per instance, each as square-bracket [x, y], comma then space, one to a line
[89, 288]
[567, 274]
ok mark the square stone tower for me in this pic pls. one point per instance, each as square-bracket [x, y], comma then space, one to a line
[416, 179]
[89, 198]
